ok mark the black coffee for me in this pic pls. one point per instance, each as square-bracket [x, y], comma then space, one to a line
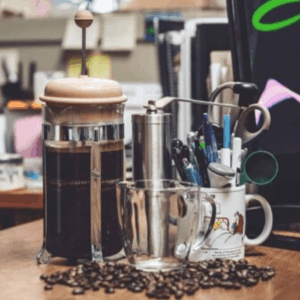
[68, 190]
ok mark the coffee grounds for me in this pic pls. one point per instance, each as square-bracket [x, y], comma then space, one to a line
[109, 276]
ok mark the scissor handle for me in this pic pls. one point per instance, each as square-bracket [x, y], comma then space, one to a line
[241, 130]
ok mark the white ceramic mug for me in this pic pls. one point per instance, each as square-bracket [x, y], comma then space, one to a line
[228, 239]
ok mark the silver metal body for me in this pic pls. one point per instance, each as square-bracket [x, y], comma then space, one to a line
[152, 160]
[151, 146]
[83, 133]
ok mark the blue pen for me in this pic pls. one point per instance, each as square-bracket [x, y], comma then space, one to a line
[225, 151]
[226, 131]
[191, 172]
[210, 140]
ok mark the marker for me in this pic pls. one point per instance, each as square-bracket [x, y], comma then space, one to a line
[225, 151]
[191, 172]
[226, 131]
[237, 160]
[210, 140]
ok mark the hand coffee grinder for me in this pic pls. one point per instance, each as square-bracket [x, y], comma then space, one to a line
[83, 159]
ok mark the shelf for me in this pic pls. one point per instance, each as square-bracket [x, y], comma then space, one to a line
[22, 105]
[25, 198]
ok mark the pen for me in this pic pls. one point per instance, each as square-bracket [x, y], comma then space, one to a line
[210, 140]
[176, 148]
[237, 160]
[202, 163]
[192, 158]
[185, 152]
[190, 138]
[191, 172]
[225, 151]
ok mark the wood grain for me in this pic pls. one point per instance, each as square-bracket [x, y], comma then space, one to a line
[19, 273]
[25, 198]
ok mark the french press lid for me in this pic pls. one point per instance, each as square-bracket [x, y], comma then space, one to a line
[83, 90]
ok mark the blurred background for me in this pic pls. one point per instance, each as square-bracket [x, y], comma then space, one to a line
[40, 42]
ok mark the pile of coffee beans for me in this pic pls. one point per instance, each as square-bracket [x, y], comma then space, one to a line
[207, 274]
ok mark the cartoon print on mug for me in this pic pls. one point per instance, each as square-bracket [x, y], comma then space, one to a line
[238, 225]
[227, 236]
[222, 223]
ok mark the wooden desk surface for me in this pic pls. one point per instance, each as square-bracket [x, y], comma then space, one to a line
[19, 273]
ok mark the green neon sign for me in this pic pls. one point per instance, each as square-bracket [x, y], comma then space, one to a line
[266, 8]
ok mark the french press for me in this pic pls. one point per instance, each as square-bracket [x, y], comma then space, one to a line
[83, 159]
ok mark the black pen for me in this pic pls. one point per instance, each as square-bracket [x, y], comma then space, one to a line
[176, 149]
[185, 152]
[202, 163]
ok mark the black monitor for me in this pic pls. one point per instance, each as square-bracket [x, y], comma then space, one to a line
[275, 68]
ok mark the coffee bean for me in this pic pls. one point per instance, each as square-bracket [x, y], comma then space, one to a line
[51, 281]
[151, 293]
[73, 284]
[163, 296]
[160, 285]
[243, 262]
[239, 274]
[109, 290]
[202, 265]
[48, 287]
[266, 276]
[193, 270]
[96, 286]
[190, 291]
[108, 278]
[236, 285]
[93, 275]
[122, 285]
[227, 284]
[126, 279]
[225, 269]
[137, 289]
[244, 273]
[105, 284]
[135, 275]
[110, 264]
[78, 291]
[44, 277]
[179, 294]
[188, 282]
[251, 281]
[192, 265]
[55, 275]
[225, 277]
[205, 284]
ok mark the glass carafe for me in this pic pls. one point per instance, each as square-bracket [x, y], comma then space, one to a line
[83, 159]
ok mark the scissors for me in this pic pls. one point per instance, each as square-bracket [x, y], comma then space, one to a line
[239, 119]
[240, 128]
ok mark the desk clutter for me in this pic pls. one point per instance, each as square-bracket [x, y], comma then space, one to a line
[201, 162]
[177, 236]
[111, 276]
